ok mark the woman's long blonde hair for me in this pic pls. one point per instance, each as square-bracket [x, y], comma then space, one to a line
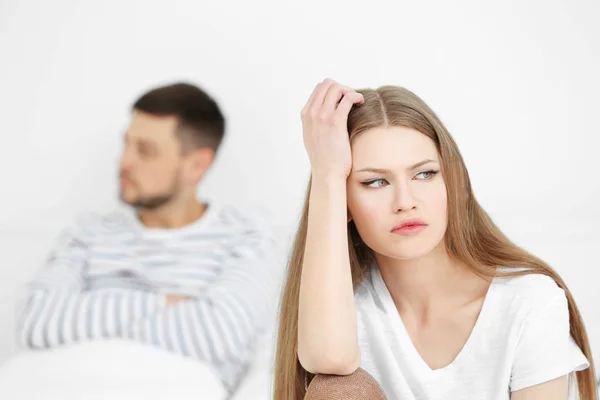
[471, 236]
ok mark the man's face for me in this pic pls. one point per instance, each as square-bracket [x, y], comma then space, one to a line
[150, 167]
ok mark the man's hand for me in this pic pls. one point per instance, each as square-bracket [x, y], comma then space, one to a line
[173, 299]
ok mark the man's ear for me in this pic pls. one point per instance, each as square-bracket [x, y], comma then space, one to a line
[199, 161]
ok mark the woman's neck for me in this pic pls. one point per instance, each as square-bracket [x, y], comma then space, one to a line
[431, 283]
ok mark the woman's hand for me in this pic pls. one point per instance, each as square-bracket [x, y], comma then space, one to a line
[324, 126]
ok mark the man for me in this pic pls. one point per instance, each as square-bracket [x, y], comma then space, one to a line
[190, 277]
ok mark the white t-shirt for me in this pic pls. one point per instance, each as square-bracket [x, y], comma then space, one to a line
[521, 338]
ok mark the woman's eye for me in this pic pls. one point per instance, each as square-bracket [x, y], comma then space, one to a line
[375, 184]
[425, 175]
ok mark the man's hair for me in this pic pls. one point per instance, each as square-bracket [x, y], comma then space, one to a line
[201, 123]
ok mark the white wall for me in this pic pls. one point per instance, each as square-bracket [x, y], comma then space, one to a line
[516, 82]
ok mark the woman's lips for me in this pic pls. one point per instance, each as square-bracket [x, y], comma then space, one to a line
[410, 227]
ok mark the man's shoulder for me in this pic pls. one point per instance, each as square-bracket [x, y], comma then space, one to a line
[95, 223]
[246, 219]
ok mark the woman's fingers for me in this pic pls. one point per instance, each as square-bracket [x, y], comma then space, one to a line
[326, 99]
[333, 97]
[315, 101]
[343, 109]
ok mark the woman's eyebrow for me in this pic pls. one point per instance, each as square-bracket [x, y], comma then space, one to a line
[385, 170]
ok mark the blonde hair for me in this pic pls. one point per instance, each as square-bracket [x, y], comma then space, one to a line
[471, 237]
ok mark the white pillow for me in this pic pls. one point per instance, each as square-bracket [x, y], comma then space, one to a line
[112, 369]
[257, 385]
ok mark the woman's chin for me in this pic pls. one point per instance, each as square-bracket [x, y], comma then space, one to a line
[408, 252]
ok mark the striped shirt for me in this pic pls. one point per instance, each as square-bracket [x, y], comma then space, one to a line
[110, 275]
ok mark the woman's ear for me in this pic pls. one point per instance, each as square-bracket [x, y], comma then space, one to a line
[349, 218]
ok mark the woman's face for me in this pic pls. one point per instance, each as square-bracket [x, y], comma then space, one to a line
[396, 192]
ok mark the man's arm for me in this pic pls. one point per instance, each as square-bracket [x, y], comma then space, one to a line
[57, 309]
[223, 324]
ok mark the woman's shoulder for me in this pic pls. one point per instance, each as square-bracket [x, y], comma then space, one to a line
[365, 288]
[366, 295]
[530, 292]
[532, 281]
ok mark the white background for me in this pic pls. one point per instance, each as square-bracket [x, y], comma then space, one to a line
[516, 82]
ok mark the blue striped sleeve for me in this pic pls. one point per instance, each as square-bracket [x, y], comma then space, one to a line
[57, 317]
[223, 325]
[56, 308]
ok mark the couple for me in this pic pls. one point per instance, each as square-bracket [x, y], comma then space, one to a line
[399, 285]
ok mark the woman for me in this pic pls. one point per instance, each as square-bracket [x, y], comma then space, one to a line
[397, 269]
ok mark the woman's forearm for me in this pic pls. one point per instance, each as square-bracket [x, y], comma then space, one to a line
[327, 337]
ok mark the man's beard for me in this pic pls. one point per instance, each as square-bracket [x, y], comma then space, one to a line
[151, 202]
[154, 201]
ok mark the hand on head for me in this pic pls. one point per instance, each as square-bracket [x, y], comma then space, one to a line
[324, 126]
